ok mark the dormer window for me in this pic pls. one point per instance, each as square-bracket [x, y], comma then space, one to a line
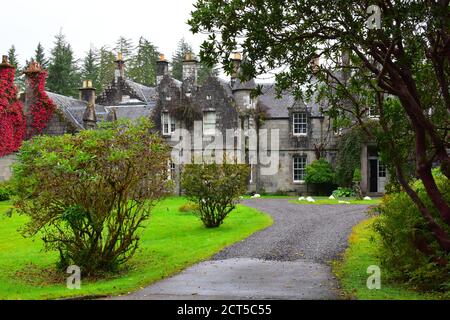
[168, 124]
[300, 124]
[209, 123]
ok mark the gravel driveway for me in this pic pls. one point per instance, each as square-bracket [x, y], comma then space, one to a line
[289, 260]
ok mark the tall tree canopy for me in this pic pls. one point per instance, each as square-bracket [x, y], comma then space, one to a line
[39, 56]
[142, 67]
[91, 68]
[63, 77]
[177, 59]
[407, 59]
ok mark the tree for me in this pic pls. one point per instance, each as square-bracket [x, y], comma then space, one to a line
[106, 66]
[91, 68]
[88, 195]
[125, 47]
[142, 68]
[408, 59]
[177, 59]
[63, 77]
[14, 61]
[215, 188]
[39, 56]
[12, 57]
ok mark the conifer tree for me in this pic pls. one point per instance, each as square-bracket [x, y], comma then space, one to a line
[91, 68]
[63, 77]
[142, 68]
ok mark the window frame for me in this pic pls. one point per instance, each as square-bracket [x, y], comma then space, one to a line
[171, 124]
[295, 168]
[301, 122]
[209, 131]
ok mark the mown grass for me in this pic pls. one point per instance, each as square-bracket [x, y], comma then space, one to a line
[171, 242]
[352, 269]
[327, 201]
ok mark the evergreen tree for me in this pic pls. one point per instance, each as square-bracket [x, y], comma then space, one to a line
[39, 56]
[12, 58]
[177, 59]
[142, 68]
[124, 46]
[106, 66]
[204, 72]
[63, 77]
[91, 68]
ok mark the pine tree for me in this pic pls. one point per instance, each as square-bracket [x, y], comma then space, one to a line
[63, 77]
[106, 67]
[142, 68]
[39, 56]
[12, 58]
[91, 68]
[177, 59]
[124, 46]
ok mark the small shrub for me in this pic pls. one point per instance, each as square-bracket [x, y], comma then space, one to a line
[321, 175]
[215, 188]
[5, 191]
[403, 230]
[344, 193]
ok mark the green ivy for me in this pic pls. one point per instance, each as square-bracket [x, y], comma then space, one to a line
[349, 157]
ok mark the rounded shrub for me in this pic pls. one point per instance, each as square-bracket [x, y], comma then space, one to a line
[404, 234]
[320, 174]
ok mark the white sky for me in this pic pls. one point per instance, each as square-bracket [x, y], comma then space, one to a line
[94, 22]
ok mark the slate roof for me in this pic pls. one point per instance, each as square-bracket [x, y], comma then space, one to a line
[248, 85]
[148, 95]
[278, 107]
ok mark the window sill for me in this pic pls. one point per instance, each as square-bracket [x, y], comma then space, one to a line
[301, 182]
[300, 134]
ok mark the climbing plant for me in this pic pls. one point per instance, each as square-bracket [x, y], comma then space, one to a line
[12, 120]
[42, 108]
[349, 157]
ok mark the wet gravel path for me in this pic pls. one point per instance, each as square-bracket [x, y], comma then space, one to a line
[314, 232]
[289, 260]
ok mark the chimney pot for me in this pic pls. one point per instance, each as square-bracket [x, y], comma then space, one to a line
[4, 59]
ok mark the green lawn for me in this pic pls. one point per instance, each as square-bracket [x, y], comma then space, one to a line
[352, 270]
[171, 242]
[325, 200]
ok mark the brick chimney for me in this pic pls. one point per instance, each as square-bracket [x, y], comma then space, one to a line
[190, 71]
[32, 69]
[120, 68]
[162, 68]
[87, 94]
[236, 60]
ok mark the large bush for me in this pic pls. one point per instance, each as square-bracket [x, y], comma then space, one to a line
[215, 188]
[5, 191]
[321, 175]
[88, 195]
[409, 250]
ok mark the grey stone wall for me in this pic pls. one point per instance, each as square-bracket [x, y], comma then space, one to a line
[6, 166]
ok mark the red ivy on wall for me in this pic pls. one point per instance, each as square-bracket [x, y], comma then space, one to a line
[12, 120]
[43, 108]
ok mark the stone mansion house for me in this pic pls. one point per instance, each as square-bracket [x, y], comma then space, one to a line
[219, 105]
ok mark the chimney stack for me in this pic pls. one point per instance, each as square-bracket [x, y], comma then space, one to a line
[190, 69]
[32, 69]
[120, 68]
[87, 92]
[236, 60]
[162, 68]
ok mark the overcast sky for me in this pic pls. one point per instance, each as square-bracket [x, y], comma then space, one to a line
[94, 22]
